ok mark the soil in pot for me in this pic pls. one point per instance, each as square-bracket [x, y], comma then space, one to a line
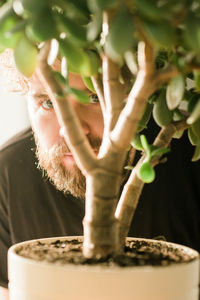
[136, 253]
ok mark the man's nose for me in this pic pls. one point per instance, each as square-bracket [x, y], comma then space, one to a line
[85, 127]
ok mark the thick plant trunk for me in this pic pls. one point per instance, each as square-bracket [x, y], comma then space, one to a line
[101, 228]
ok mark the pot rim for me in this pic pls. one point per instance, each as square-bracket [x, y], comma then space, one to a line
[13, 255]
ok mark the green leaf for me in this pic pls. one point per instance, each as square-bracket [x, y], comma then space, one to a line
[31, 34]
[29, 6]
[136, 142]
[131, 62]
[195, 115]
[99, 5]
[8, 20]
[160, 33]
[60, 78]
[196, 155]
[25, 56]
[120, 38]
[177, 115]
[145, 118]
[5, 39]
[81, 96]
[175, 91]
[76, 31]
[77, 10]
[196, 128]
[159, 151]
[75, 56]
[88, 83]
[194, 140]
[149, 9]
[94, 27]
[161, 113]
[192, 101]
[44, 26]
[191, 33]
[86, 63]
[197, 80]
[146, 147]
[94, 63]
[19, 27]
[6, 11]
[146, 172]
[178, 134]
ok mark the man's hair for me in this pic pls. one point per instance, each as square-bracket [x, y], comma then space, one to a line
[11, 79]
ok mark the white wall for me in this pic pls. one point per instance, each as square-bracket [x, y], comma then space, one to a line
[13, 114]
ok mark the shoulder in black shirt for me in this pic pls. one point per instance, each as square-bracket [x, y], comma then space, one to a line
[30, 206]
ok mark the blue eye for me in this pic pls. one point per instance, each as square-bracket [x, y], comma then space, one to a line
[94, 98]
[47, 104]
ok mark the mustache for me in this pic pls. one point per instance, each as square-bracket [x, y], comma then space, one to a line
[61, 148]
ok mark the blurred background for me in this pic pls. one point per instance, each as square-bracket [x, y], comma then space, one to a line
[13, 113]
[13, 110]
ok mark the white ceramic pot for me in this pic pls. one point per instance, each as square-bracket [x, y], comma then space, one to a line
[33, 280]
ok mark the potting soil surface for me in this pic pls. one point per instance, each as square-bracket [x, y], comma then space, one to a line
[136, 253]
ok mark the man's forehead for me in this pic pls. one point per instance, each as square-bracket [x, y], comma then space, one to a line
[75, 81]
[35, 84]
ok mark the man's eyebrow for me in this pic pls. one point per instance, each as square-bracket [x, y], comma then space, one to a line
[39, 95]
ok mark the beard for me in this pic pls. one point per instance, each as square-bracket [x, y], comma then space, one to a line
[69, 181]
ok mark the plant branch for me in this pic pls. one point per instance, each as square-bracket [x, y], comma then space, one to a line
[166, 74]
[132, 190]
[73, 133]
[114, 91]
[133, 111]
[98, 86]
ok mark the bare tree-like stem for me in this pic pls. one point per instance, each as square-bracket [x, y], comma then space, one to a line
[166, 74]
[132, 190]
[133, 111]
[114, 91]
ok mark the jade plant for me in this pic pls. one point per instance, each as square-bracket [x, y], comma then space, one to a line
[141, 58]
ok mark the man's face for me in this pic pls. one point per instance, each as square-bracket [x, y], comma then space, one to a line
[53, 153]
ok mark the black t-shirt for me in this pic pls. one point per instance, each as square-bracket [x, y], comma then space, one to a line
[170, 206]
[31, 207]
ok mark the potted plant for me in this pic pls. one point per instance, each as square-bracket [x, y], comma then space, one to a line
[139, 57]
